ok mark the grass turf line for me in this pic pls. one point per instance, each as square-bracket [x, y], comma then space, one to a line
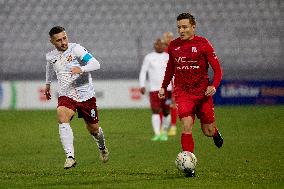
[31, 155]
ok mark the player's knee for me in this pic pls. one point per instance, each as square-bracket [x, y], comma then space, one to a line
[63, 118]
[186, 129]
[63, 115]
[187, 125]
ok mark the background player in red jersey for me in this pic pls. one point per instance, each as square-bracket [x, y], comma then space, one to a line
[189, 59]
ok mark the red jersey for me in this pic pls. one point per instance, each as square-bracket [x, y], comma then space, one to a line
[167, 49]
[189, 61]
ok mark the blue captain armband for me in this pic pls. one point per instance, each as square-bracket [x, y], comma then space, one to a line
[87, 57]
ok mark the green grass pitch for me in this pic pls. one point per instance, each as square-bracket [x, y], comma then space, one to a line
[31, 155]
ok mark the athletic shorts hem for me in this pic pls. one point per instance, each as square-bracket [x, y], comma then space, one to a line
[185, 115]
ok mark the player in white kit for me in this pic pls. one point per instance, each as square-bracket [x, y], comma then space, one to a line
[72, 63]
[154, 65]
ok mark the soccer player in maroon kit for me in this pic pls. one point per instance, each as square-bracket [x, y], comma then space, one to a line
[189, 59]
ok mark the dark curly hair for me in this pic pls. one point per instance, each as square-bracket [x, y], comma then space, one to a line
[186, 16]
[56, 30]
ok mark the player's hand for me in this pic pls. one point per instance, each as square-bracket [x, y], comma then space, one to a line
[142, 90]
[210, 91]
[76, 70]
[161, 93]
[47, 92]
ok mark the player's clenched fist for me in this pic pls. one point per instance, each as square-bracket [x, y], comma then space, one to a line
[161, 93]
[210, 91]
[47, 92]
[142, 90]
[76, 70]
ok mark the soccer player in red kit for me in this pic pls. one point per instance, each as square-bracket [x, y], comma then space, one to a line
[189, 59]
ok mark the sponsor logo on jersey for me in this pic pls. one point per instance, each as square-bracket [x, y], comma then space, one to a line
[187, 67]
[185, 60]
[192, 63]
[177, 48]
[194, 49]
[69, 58]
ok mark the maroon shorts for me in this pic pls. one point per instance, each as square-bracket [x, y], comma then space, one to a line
[157, 103]
[190, 105]
[86, 109]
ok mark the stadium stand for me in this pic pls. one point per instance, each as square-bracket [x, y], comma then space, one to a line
[247, 35]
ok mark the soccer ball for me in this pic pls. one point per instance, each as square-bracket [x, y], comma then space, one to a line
[186, 161]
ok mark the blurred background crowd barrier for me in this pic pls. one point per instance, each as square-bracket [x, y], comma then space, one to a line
[247, 35]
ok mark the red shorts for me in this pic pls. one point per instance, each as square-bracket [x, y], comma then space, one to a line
[190, 105]
[157, 103]
[86, 109]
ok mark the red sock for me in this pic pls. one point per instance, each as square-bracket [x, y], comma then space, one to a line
[161, 115]
[173, 116]
[187, 142]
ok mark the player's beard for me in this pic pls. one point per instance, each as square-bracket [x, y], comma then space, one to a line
[64, 47]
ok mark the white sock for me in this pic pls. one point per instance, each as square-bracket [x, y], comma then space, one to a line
[156, 122]
[166, 120]
[100, 139]
[66, 136]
